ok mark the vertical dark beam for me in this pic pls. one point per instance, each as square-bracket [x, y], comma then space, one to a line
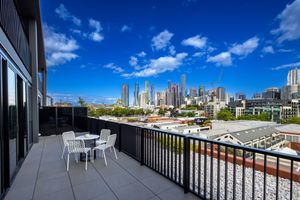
[6, 174]
[291, 179]
[199, 167]
[120, 137]
[211, 170]
[253, 176]
[277, 176]
[186, 165]
[234, 173]
[265, 176]
[142, 146]
[243, 176]
[56, 120]
[218, 174]
[73, 118]
[1, 128]
[226, 171]
[205, 168]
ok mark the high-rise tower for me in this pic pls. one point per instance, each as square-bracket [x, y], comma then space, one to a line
[136, 94]
[125, 95]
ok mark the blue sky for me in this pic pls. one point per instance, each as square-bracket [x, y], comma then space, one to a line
[95, 46]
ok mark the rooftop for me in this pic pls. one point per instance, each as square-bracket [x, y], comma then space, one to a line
[43, 175]
[289, 128]
[252, 134]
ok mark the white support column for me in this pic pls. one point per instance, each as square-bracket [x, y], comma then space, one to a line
[33, 45]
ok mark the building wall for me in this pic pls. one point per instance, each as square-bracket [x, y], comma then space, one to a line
[20, 66]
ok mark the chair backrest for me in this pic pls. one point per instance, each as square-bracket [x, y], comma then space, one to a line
[104, 134]
[75, 145]
[111, 140]
[69, 135]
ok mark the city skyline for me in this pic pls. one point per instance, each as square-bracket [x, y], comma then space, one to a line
[95, 49]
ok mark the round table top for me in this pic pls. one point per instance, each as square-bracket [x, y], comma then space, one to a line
[88, 137]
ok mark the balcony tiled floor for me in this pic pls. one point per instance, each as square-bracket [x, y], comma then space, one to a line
[43, 176]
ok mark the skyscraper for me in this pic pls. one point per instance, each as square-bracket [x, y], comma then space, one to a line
[293, 77]
[136, 94]
[221, 94]
[147, 92]
[182, 88]
[201, 91]
[193, 93]
[152, 96]
[125, 95]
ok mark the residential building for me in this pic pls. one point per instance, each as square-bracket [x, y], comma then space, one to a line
[182, 88]
[136, 94]
[147, 92]
[262, 137]
[23, 88]
[240, 96]
[213, 108]
[161, 98]
[221, 96]
[293, 77]
[271, 93]
[257, 95]
[152, 96]
[125, 95]
[143, 100]
[193, 93]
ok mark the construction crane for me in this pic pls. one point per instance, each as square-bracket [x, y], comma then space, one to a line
[213, 84]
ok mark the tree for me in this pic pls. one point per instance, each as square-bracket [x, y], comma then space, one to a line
[162, 111]
[225, 115]
[81, 102]
[292, 120]
[260, 117]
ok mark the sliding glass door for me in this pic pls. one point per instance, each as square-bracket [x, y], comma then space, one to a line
[13, 126]
[1, 131]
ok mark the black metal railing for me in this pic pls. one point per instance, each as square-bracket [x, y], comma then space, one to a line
[209, 169]
[12, 25]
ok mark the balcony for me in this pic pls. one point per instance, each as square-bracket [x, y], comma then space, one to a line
[152, 164]
[43, 175]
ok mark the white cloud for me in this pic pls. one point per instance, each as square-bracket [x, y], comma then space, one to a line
[126, 28]
[198, 54]
[162, 40]
[197, 42]
[63, 13]
[285, 50]
[268, 49]
[290, 65]
[245, 48]
[222, 59]
[116, 69]
[96, 35]
[141, 54]
[172, 50]
[159, 65]
[289, 23]
[133, 61]
[59, 48]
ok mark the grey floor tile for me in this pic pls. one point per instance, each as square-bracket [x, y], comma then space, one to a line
[106, 196]
[52, 185]
[81, 176]
[176, 193]
[119, 180]
[65, 194]
[24, 193]
[90, 189]
[135, 191]
[158, 183]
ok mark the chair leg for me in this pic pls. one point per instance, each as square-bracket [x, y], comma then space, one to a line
[92, 156]
[76, 157]
[62, 155]
[68, 160]
[104, 157]
[86, 154]
[115, 153]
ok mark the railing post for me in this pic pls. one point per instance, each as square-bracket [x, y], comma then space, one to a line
[142, 146]
[186, 164]
[120, 138]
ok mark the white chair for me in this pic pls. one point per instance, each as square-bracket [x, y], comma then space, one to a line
[70, 135]
[77, 146]
[103, 136]
[109, 144]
